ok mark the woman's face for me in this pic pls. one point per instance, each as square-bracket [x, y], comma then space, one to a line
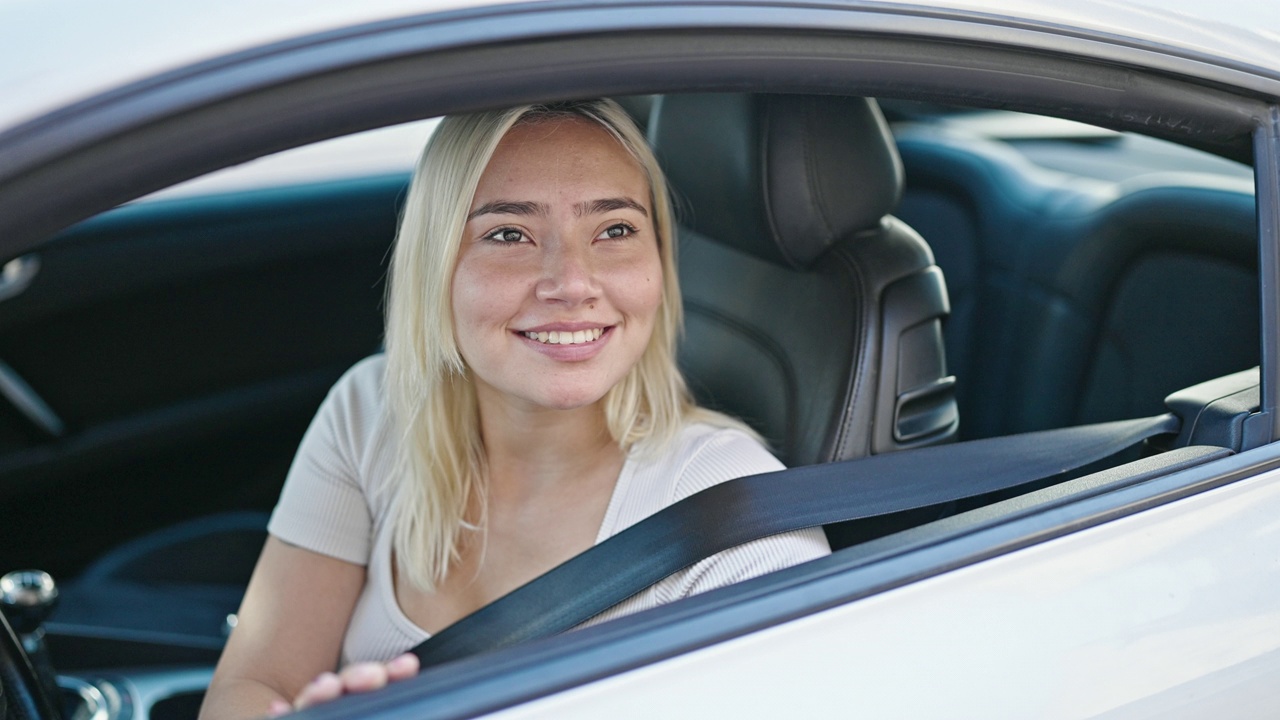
[558, 278]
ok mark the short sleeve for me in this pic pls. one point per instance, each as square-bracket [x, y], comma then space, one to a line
[323, 506]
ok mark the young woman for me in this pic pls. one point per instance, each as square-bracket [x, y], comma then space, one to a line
[528, 406]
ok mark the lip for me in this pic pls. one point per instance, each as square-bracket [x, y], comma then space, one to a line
[565, 326]
[567, 353]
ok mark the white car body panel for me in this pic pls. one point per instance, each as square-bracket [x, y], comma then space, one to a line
[1125, 619]
[103, 46]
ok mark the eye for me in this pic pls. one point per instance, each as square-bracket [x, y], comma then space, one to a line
[615, 232]
[506, 235]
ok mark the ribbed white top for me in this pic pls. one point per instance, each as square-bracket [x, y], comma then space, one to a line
[335, 502]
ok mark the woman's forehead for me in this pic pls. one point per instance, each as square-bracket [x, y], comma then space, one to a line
[548, 155]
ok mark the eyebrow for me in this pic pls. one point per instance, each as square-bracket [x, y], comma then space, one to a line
[524, 207]
[510, 207]
[605, 205]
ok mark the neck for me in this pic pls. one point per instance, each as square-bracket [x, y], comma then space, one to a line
[533, 449]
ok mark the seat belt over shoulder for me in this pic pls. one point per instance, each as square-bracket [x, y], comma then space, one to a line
[749, 508]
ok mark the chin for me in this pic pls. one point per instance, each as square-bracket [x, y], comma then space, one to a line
[570, 398]
[569, 403]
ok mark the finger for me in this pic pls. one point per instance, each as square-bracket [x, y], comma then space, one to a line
[324, 688]
[402, 667]
[363, 677]
[278, 708]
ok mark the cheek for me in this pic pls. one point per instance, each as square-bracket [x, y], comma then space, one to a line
[480, 298]
[644, 295]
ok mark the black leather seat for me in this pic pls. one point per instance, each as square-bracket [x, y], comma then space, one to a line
[811, 312]
[1167, 269]
[1072, 293]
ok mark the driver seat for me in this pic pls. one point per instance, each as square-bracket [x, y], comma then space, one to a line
[811, 312]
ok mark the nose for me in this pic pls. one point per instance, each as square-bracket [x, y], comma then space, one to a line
[568, 275]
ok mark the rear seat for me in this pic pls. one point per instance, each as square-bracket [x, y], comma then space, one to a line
[1069, 294]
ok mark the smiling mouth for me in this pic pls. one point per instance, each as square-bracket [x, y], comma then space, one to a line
[565, 337]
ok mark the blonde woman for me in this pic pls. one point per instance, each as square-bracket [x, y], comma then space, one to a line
[528, 406]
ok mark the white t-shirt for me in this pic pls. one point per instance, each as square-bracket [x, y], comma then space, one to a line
[336, 501]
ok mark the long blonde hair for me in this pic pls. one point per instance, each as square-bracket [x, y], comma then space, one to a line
[441, 464]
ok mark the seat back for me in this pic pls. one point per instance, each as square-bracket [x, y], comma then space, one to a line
[811, 312]
[1072, 293]
[1168, 269]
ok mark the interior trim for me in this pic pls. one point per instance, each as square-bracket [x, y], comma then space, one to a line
[1267, 192]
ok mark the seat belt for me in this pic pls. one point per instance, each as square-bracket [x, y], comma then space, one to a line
[749, 508]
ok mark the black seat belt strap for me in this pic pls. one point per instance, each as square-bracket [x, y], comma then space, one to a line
[749, 508]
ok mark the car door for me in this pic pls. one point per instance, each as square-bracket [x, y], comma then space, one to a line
[162, 360]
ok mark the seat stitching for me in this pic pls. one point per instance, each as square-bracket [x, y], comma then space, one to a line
[853, 389]
[811, 171]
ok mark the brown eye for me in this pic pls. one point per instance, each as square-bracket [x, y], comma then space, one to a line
[614, 232]
[506, 235]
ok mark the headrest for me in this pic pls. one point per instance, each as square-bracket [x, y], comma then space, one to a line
[782, 177]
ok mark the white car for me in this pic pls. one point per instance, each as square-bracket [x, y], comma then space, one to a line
[1098, 182]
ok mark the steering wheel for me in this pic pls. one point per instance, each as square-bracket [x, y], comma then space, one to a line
[22, 696]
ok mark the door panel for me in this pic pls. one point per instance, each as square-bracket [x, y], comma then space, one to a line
[184, 345]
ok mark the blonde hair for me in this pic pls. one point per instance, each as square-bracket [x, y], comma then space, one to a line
[441, 466]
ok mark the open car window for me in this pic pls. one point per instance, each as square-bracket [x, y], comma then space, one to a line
[982, 194]
[385, 151]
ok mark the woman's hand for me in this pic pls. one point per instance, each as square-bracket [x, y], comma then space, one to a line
[354, 678]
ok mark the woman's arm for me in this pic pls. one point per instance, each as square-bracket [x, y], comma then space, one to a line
[291, 624]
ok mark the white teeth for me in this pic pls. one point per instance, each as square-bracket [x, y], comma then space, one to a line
[565, 337]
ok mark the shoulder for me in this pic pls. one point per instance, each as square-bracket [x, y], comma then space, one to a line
[350, 428]
[702, 455]
[354, 407]
[361, 384]
[328, 503]
[699, 456]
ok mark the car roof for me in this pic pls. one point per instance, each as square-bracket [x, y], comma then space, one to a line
[101, 46]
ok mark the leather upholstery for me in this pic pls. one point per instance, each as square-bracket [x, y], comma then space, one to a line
[787, 265]
[785, 176]
[1166, 269]
[1073, 293]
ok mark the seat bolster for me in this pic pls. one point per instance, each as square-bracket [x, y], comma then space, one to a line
[760, 343]
[862, 420]
[796, 354]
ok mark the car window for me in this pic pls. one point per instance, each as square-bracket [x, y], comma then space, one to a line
[1079, 260]
[392, 149]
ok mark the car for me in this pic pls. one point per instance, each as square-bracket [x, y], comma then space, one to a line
[1087, 233]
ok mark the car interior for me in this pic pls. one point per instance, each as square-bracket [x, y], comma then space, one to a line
[860, 278]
